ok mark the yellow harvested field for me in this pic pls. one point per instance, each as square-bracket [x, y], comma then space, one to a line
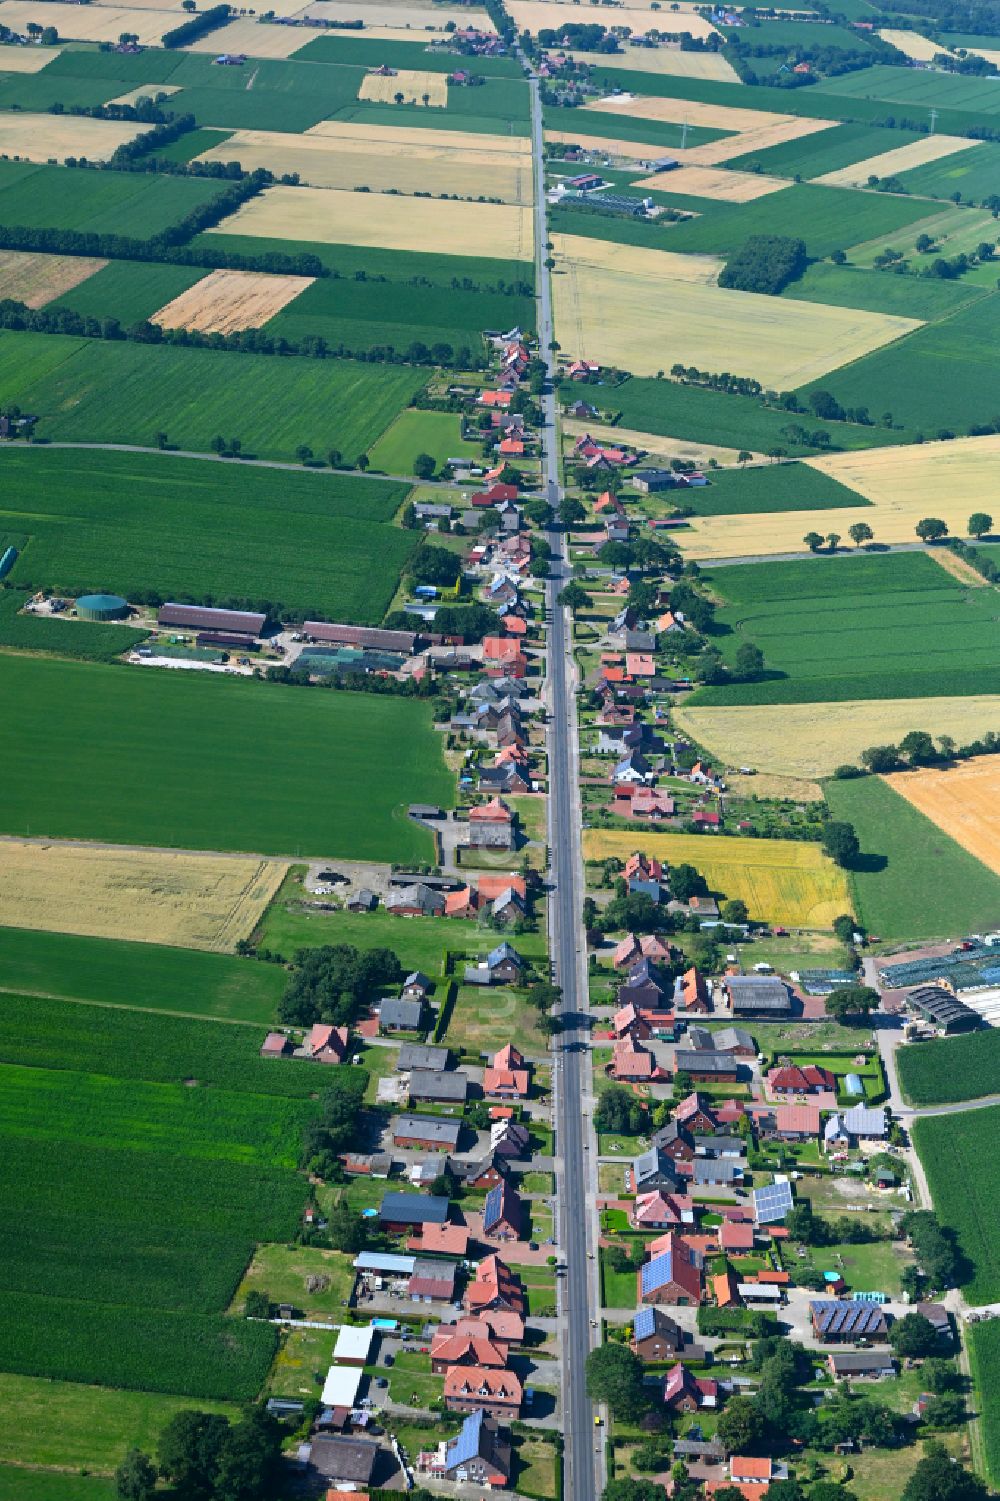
[412, 85]
[397, 14]
[496, 230]
[888, 163]
[964, 801]
[958, 567]
[39, 137]
[255, 38]
[89, 23]
[145, 91]
[225, 302]
[26, 59]
[37, 279]
[810, 740]
[709, 182]
[644, 310]
[950, 480]
[781, 880]
[920, 48]
[991, 54]
[536, 15]
[760, 139]
[382, 157]
[667, 61]
[676, 111]
[195, 901]
[652, 443]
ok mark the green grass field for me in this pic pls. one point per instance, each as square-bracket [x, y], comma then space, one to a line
[415, 432]
[192, 144]
[126, 522]
[881, 291]
[122, 203]
[774, 487]
[911, 881]
[950, 1068]
[941, 376]
[890, 625]
[184, 759]
[963, 1183]
[36, 91]
[974, 173]
[129, 290]
[626, 128]
[150, 977]
[40, 1485]
[984, 1359]
[703, 416]
[920, 90]
[89, 640]
[360, 264]
[97, 392]
[826, 151]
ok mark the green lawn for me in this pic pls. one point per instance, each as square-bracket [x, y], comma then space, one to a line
[53, 1485]
[148, 976]
[890, 625]
[125, 522]
[182, 759]
[282, 1272]
[950, 1068]
[962, 1175]
[415, 432]
[484, 1018]
[94, 391]
[618, 1289]
[881, 291]
[302, 1362]
[865, 1268]
[911, 880]
[536, 1468]
[62, 1424]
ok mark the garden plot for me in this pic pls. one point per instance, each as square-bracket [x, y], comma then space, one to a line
[147, 91]
[332, 217]
[430, 89]
[963, 800]
[537, 15]
[707, 182]
[43, 138]
[919, 49]
[196, 901]
[343, 155]
[26, 59]
[254, 38]
[668, 62]
[643, 310]
[891, 163]
[36, 279]
[800, 740]
[225, 302]
[89, 23]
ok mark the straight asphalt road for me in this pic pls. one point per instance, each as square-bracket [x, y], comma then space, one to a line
[579, 1296]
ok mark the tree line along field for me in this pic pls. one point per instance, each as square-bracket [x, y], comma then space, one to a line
[85, 390]
[871, 626]
[100, 520]
[962, 1177]
[948, 1069]
[911, 881]
[150, 977]
[192, 761]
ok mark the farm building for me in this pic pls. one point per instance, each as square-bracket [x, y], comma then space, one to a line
[764, 997]
[101, 607]
[651, 480]
[438, 1087]
[491, 826]
[354, 1344]
[363, 636]
[850, 1365]
[705, 1066]
[946, 1013]
[836, 1320]
[276, 1045]
[735, 1040]
[243, 623]
[432, 1281]
[416, 1055]
[433, 1133]
[400, 1211]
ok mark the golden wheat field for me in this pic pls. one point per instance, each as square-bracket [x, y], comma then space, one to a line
[654, 444]
[225, 302]
[40, 137]
[89, 23]
[145, 91]
[195, 901]
[254, 38]
[644, 310]
[781, 880]
[669, 62]
[914, 46]
[500, 231]
[902, 159]
[335, 155]
[536, 15]
[27, 59]
[35, 279]
[963, 801]
[806, 740]
[395, 14]
[430, 89]
[708, 182]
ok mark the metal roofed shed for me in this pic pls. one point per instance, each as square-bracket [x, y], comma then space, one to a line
[413, 1209]
[435, 1084]
[101, 607]
[834, 1318]
[414, 1055]
[386, 1263]
[773, 1202]
[752, 995]
[202, 618]
[943, 1009]
[340, 1389]
[354, 1345]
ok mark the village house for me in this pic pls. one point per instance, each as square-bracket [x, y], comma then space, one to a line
[661, 1211]
[508, 1076]
[502, 966]
[401, 1211]
[471, 1388]
[674, 1141]
[696, 1114]
[810, 1078]
[707, 1068]
[397, 1014]
[435, 1087]
[631, 1063]
[655, 1335]
[277, 1045]
[450, 1347]
[761, 997]
[673, 1277]
[683, 1392]
[654, 1169]
[502, 1214]
[478, 1455]
[691, 994]
[510, 1139]
[416, 900]
[485, 1172]
[491, 826]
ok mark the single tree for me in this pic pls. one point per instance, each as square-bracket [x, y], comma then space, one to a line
[813, 541]
[749, 661]
[832, 540]
[980, 524]
[189, 1450]
[334, 457]
[939, 1478]
[743, 457]
[574, 597]
[741, 1427]
[931, 529]
[257, 1304]
[852, 1002]
[615, 1376]
[880, 758]
[424, 466]
[135, 1477]
[398, 96]
[914, 1336]
[845, 927]
[572, 512]
[734, 911]
[860, 532]
[303, 453]
[362, 462]
[840, 842]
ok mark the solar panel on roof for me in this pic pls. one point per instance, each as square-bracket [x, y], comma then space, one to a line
[772, 1202]
[657, 1272]
[644, 1323]
[492, 1207]
[465, 1445]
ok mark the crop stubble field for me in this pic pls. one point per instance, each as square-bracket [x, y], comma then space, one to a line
[225, 302]
[780, 880]
[963, 800]
[196, 901]
[37, 280]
